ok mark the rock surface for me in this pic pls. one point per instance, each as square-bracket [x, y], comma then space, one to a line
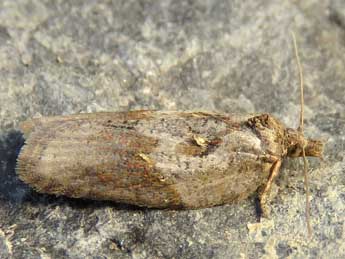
[63, 57]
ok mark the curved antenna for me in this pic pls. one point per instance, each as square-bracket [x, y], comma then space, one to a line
[301, 80]
[301, 130]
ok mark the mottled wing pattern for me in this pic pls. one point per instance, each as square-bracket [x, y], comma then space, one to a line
[146, 158]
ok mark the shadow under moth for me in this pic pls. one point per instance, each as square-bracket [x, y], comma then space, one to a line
[160, 159]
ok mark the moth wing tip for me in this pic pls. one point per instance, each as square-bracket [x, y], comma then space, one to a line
[27, 127]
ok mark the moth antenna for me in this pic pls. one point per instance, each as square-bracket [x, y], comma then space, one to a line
[301, 130]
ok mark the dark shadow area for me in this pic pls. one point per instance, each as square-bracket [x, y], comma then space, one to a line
[11, 188]
[258, 209]
[79, 203]
[36, 199]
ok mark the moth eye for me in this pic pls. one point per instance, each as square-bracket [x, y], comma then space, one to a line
[294, 151]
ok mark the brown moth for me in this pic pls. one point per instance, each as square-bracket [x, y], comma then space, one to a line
[160, 159]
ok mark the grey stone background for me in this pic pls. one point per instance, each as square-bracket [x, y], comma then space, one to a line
[63, 57]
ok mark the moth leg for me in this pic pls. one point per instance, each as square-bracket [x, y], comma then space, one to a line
[264, 194]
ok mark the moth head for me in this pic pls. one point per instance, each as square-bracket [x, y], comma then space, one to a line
[295, 142]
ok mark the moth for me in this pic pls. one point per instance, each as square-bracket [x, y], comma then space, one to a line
[159, 159]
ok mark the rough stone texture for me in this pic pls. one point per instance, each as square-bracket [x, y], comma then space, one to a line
[63, 57]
